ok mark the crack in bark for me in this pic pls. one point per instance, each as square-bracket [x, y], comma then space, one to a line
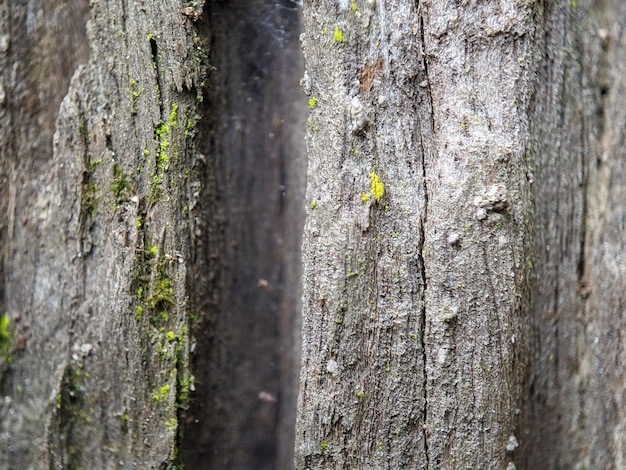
[421, 246]
[159, 80]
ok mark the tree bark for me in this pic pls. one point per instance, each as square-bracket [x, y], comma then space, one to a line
[455, 321]
[578, 381]
[98, 290]
[463, 256]
[119, 234]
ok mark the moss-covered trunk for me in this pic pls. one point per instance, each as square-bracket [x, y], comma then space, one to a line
[122, 221]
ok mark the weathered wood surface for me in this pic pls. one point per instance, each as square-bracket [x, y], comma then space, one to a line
[95, 231]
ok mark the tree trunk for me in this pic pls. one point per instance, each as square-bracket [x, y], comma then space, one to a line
[460, 318]
[463, 255]
[578, 383]
[155, 224]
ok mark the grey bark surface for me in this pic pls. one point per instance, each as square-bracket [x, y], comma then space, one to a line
[464, 262]
[110, 230]
[465, 319]
[578, 380]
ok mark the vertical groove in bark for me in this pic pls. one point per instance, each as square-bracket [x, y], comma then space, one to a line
[480, 69]
[247, 256]
[423, 138]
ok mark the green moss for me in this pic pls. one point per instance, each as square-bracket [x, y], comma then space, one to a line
[324, 445]
[360, 394]
[92, 164]
[163, 296]
[313, 204]
[162, 393]
[185, 386]
[174, 115]
[89, 199]
[135, 94]
[310, 125]
[5, 334]
[190, 125]
[354, 6]
[121, 186]
[139, 313]
[312, 102]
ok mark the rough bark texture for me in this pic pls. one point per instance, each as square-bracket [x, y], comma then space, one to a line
[466, 318]
[97, 238]
[464, 253]
[577, 407]
[110, 233]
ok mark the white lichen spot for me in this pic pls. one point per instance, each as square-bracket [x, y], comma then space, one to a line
[450, 313]
[305, 83]
[481, 213]
[332, 367]
[494, 200]
[442, 355]
[343, 4]
[382, 100]
[453, 238]
[511, 466]
[512, 444]
[357, 116]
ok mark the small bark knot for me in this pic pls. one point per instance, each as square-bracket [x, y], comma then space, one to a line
[493, 200]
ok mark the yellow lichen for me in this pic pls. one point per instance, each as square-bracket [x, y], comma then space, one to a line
[365, 197]
[339, 36]
[378, 188]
